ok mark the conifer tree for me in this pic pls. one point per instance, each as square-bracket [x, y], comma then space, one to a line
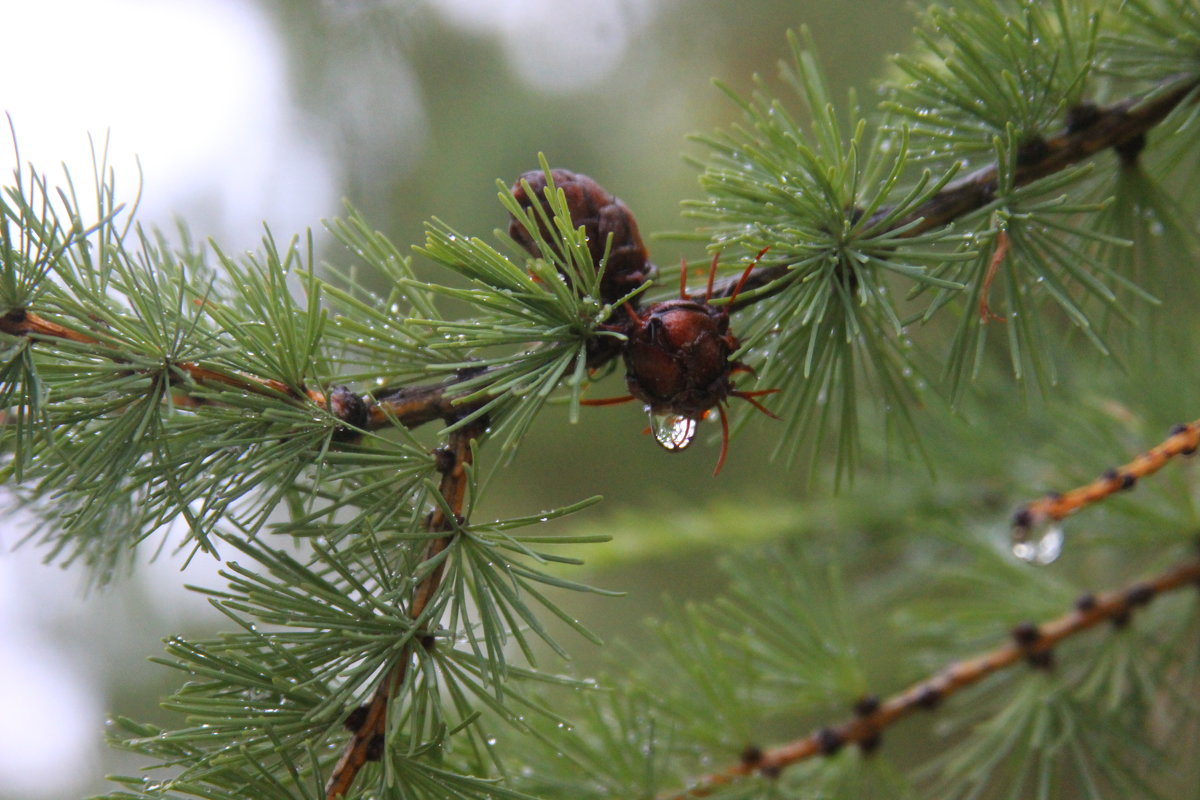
[955, 299]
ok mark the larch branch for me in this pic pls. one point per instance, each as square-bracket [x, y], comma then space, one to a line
[1121, 126]
[1028, 643]
[370, 720]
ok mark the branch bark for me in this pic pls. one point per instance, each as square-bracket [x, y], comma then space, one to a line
[1093, 129]
[1029, 643]
[370, 720]
[1183, 440]
[22, 322]
[1121, 125]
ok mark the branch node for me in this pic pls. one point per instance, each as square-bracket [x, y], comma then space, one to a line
[1082, 116]
[751, 756]
[444, 459]
[355, 719]
[829, 741]
[1023, 518]
[928, 697]
[1032, 151]
[866, 705]
[374, 750]
[350, 408]
[1184, 428]
[1129, 150]
[1026, 634]
[1139, 595]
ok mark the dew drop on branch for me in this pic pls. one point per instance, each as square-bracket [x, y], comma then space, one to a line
[1038, 543]
[672, 431]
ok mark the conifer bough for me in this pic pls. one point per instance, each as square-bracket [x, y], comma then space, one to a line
[1033, 644]
[1090, 129]
[140, 387]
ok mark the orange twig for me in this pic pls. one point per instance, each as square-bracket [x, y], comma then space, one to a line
[1183, 440]
[1032, 643]
[21, 322]
[985, 311]
[371, 720]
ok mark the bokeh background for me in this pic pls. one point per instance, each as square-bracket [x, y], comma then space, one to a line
[244, 112]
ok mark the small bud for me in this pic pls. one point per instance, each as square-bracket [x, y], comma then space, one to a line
[866, 705]
[1026, 634]
[928, 697]
[444, 459]
[1139, 595]
[751, 755]
[829, 741]
[355, 719]
[374, 751]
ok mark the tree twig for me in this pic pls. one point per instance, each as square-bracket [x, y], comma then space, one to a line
[369, 722]
[1091, 130]
[1183, 440]
[1029, 642]
[22, 322]
[1121, 125]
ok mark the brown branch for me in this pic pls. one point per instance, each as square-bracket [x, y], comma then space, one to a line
[369, 722]
[1029, 642]
[1121, 126]
[1183, 440]
[408, 406]
[1090, 130]
[412, 406]
[22, 322]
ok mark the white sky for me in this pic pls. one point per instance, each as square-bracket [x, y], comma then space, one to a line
[196, 89]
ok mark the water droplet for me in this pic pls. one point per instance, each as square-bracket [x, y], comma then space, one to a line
[1039, 543]
[672, 431]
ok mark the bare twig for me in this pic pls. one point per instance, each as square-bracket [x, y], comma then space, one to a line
[1183, 440]
[370, 720]
[1031, 643]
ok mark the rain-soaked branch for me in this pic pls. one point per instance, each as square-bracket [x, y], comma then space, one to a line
[1090, 129]
[369, 722]
[22, 322]
[1029, 642]
[407, 406]
[1183, 440]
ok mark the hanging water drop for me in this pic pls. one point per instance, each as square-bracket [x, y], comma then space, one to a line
[1038, 542]
[672, 431]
